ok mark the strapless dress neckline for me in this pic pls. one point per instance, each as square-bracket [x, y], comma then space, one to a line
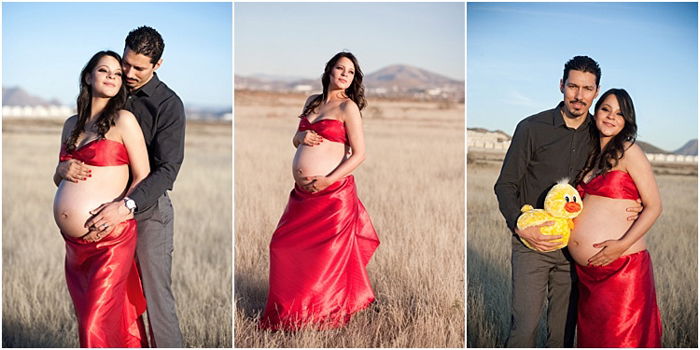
[98, 152]
[615, 184]
[330, 129]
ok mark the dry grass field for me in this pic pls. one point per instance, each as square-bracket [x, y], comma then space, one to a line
[672, 243]
[36, 308]
[412, 184]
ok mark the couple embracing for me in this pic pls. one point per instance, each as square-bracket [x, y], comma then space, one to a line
[119, 155]
[601, 287]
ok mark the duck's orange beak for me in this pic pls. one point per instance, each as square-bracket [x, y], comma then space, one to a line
[572, 207]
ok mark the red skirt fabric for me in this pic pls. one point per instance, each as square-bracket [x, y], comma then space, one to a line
[617, 304]
[104, 283]
[318, 258]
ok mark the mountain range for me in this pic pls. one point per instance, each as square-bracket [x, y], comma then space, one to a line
[398, 80]
[16, 96]
[689, 149]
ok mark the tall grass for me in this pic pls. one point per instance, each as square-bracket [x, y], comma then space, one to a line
[412, 186]
[672, 244]
[36, 308]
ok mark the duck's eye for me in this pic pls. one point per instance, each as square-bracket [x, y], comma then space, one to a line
[574, 199]
[567, 199]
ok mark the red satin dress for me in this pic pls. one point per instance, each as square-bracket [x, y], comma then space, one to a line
[617, 302]
[102, 277]
[319, 253]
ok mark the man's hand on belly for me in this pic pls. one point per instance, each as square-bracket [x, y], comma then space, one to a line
[106, 217]
[536, 239]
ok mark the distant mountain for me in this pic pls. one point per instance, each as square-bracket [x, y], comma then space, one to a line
[407, 77]
[689, 149]
[397, 80]
[16, 96]
[649, 148]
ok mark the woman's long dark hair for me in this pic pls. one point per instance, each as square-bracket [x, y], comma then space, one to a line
[356, 91]
[106, 119]
[607, 158]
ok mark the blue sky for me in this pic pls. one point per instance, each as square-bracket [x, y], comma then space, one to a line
[516, 55]
[296, 39]
[45, 45]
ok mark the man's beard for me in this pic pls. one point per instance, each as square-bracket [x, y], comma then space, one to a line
[577, 113]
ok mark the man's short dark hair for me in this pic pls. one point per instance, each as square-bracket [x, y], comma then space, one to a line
[584, 64]
[146, 41]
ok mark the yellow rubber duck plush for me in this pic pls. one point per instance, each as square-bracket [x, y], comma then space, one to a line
[562, 204]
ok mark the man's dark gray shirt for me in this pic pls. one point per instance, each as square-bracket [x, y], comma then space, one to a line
[543, 151]
[161, 114]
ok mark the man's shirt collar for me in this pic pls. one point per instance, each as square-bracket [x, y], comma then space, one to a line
[149, 88]
[558, 118]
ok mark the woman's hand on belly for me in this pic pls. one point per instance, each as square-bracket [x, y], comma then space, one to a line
[308, 138]
[317, 183]
[301, 180]
[611, 250]
[73, 170]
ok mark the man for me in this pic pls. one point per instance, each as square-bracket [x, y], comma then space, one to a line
[546, 147]
[162, 118]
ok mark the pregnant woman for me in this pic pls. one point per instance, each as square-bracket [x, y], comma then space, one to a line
[102, 276]
[617, 298]
[324, 240]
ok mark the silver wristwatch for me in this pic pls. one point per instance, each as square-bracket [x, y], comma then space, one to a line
[130, 204]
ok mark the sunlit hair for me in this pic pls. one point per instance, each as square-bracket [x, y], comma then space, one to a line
[583, 64]
[356, 90]
[105, 119]
[602, 160]
[146, 41]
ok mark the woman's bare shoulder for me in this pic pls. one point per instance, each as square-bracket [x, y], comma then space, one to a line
[123, 113]
[634, 155]
[126, 122]
[125, 118]
[348, 106]
[633, 149]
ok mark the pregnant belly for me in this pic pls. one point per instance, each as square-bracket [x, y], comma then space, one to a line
[601, 219]
[317, 160]
[73, 201]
